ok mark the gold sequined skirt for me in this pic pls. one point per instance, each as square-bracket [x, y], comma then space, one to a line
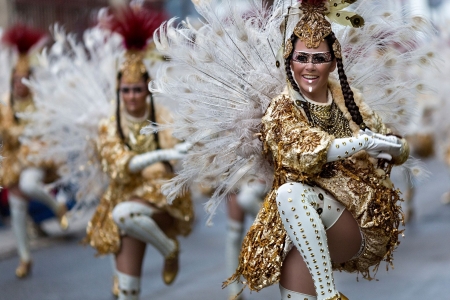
[372, 201]
[10, 170]
[14, 162]
[103, 234]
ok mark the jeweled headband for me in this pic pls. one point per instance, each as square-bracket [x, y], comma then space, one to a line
[313, 26]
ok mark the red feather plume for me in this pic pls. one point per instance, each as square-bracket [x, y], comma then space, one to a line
[22, 37]
[136, 26]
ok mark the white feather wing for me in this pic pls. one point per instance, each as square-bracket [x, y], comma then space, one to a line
[378, 59]
[223, 77]
[73, 89]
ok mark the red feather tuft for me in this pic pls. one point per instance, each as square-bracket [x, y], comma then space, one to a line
[136, 26]
[315, 2]
[22, 37]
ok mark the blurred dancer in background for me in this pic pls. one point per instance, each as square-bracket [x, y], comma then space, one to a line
[133, 212]
[24, 177]
[105, 153]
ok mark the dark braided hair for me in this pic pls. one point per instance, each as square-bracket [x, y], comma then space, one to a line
[119, 126]
[287, 65]
[11, 95]
[346, 90]
[152, 116]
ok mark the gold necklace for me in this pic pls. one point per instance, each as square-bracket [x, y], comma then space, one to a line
[138, 142]
[330, 119]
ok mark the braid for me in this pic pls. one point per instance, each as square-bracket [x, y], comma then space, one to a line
[287, 66]
[11, 98]
[153, 120]
[346, 90]
[11, 94]
[118, 123]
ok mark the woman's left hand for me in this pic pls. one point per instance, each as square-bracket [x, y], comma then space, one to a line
[394, 152]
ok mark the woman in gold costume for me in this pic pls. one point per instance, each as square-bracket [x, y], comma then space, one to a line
[23, 177]
[326, 153]
[331, 198]
[133, 212]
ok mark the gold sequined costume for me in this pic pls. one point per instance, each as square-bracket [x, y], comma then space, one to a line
[102, 232]
[16, 155]
[360, 183]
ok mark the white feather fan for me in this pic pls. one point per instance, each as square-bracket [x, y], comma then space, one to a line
[73, 89]
[224, 75]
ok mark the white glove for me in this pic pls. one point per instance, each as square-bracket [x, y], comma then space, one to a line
[394, 152]
[376, 145]
[141, 161]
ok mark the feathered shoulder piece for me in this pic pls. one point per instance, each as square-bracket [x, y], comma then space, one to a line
[136, 26]
[229, 78]
[23, 39]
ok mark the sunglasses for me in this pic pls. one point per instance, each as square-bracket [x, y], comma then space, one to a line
[135, 90]
[315, 58]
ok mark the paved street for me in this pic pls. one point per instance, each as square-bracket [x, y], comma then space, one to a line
[64, 270]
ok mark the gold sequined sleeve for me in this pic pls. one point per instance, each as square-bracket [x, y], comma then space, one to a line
[292, 143]
[114, 155]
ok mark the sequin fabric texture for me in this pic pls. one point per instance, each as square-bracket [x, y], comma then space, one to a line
[17, 156]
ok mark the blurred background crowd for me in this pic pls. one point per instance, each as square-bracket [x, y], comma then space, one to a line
[77, 15]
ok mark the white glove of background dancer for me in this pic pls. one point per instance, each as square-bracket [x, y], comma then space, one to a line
[141, 161]
[375, 146]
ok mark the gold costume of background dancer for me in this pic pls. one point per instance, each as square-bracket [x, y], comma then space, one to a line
[23, 176]
[133, 211]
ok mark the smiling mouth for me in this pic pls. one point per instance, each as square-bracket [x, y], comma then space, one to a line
[310, 77]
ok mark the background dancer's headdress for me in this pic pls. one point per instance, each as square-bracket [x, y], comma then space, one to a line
[23, 39]
[136, 25]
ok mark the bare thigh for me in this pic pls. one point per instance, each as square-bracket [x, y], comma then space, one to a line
[344, 242]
